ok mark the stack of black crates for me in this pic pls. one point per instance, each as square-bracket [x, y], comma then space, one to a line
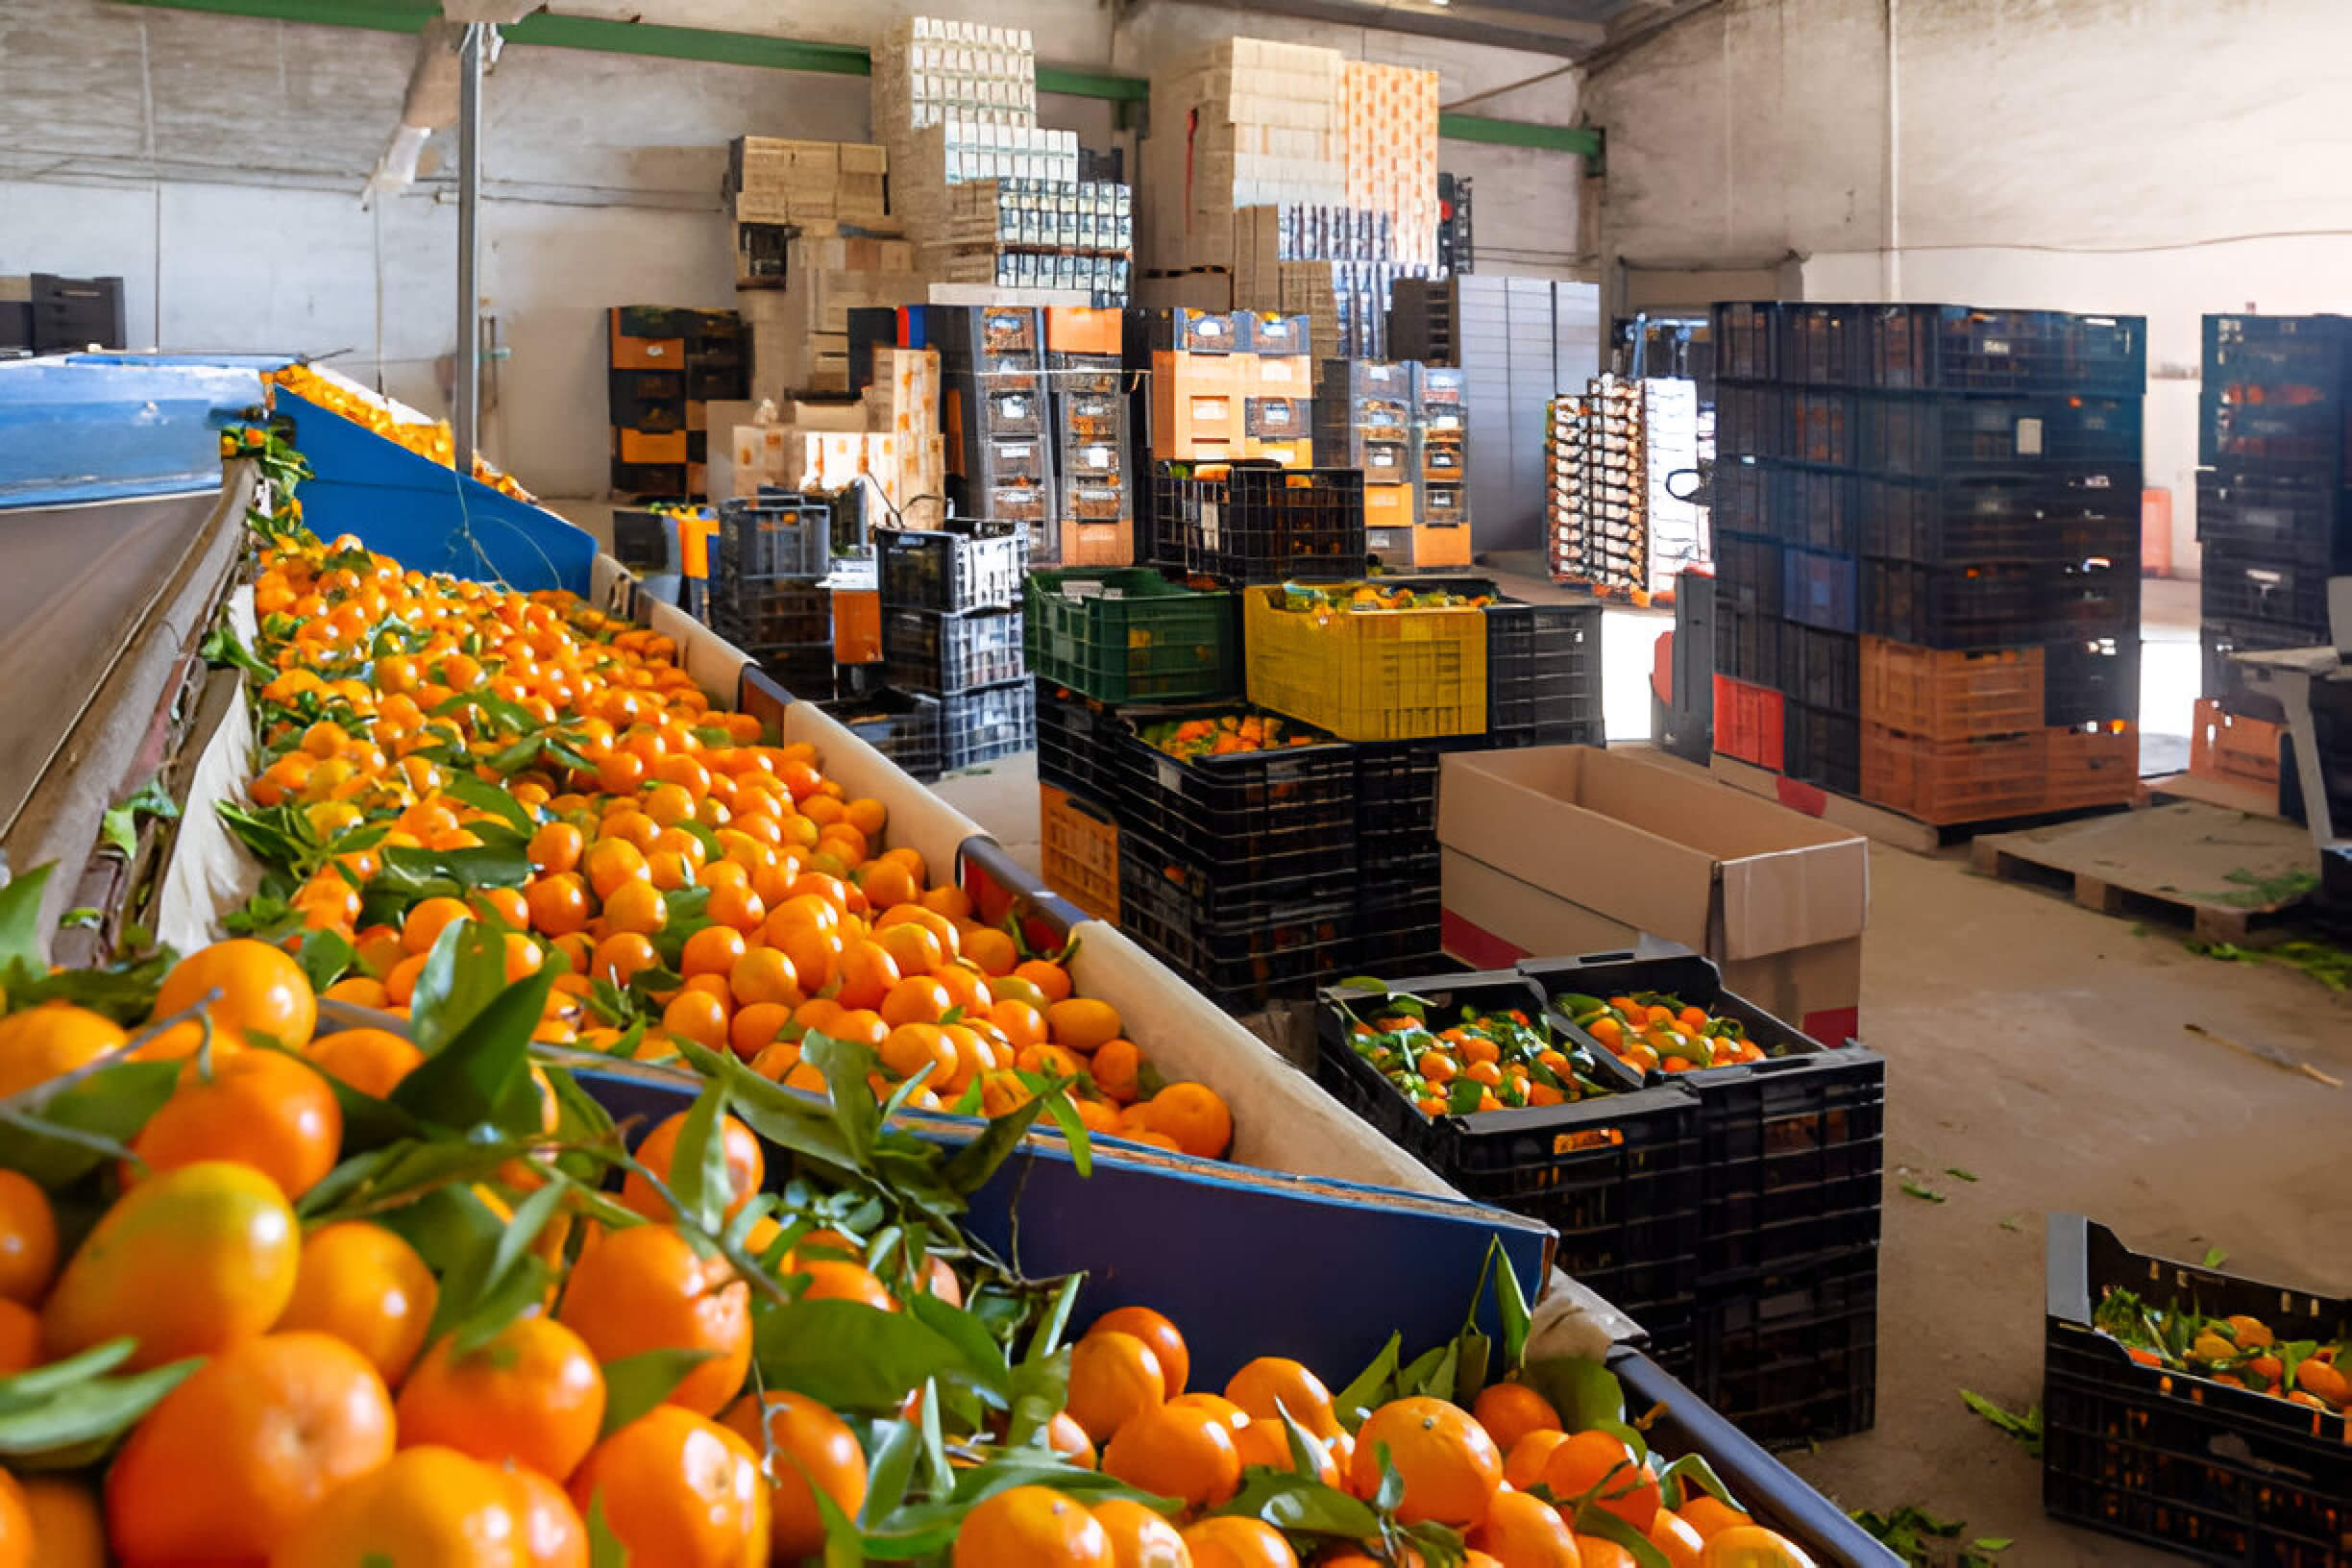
[766, 586]
[1929, 479]
[951, 631]
[1255, 856]
[2274, 514]
[667, 366]
[1731, 1212]
[993, 401]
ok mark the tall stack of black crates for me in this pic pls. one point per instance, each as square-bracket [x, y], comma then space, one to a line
[951, 629]
[993, 401]
[1898, 486]
[2274, 513]
[768, 594]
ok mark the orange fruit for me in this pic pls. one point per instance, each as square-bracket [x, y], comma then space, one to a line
[867, 975]
[1266, 1442]
[995, 951]
[1229, 1542]
[911, 1047]
[558, 904]
[263, 1108]
[1523, 1532]
[1067, 1438]
[366, 1287]
[1050, 978]
[636, 906]
[49, 1041]
[1450, 1466]
[622, 955]
[532, 1394]
[20, 1337]
[1139, 1536]
[28, 1240]
[1711, 1515]
[1226, 1411]
[917, 999]
[1116, 1067]
[263, 991]
[1599, 1552]
[746, 1167]
[1753, 1546]
[1113, 1378]
[802, 1447]
[678, 1490]
[1176, 1451]
[427, 919]
[1678, 1538]
[188, 1264]
[1157, 1331]
[555, 847]
[648, 1288]
[916, 949]
[696, 1015]
[1510, 1411]
[229, 1464]
[1524, 1465]
[553, 1534]
[1599, 1465]
[765, 974]
[67, 1525]
[834, 1278]
[1032, 1525]
[755, 1027]
[428, 1504]
[1081, 1023]
[1271, 1385]
[1196, 1117]
[371, 1060]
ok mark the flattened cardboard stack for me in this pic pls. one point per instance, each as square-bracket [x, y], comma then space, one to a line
[1251, 122]
[1389, 140]
[799, 332]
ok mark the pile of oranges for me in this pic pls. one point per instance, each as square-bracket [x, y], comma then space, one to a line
[2238, 1350]
[1229, 733]
[690, 882]
[429, 439]
[1486, 1060]
[1653, 1032]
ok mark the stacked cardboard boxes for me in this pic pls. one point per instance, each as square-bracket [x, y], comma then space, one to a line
[1249, 123]
[773, 181]
[1224, 386]
[1389, 140]
[799, 330]
[1035, 233]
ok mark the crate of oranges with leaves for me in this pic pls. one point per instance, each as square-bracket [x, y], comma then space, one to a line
[436, 751]
[1610, 1165]
[253, 1312]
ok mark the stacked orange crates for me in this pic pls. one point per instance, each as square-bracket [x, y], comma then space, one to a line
[1953, 737]
[1095, 462]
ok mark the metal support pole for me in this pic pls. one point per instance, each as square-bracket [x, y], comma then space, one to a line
[466, 398]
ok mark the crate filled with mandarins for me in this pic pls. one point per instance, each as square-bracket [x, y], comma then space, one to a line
[1466, 1073]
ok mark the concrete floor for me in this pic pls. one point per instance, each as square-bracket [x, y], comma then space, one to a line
[2046, 1049]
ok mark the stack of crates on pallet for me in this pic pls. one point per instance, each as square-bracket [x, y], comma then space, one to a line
[1440, 465]
[1095, 461]
[952, 630]
[994, 406]
[1215, 388]
[1732, 1210]
[667, 367]
[2275, 497]
[1902, 493]
[1365, 420]
[767, 593]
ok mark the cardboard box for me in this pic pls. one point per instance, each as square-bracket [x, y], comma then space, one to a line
[1563, 850]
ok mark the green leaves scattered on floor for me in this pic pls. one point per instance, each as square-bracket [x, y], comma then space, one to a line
[1925, 1541]
[2024, 1426]
[2323, 960]
[2247, 890]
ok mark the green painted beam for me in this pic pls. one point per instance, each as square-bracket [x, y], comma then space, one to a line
[758, 49]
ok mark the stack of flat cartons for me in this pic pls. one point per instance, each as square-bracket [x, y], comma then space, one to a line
[1387, 126]
[902, 402]
[770, 180]
[1249, 123]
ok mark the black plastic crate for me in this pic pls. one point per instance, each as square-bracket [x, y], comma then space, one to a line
[1823, 746]
[1543, 674]
[1946, 607]
[1403, 931]
[1078, 742]
[949, 572]
[646, 540]
[769, 612]
[1251, 522]
[2313, 353]
[1822, 345]
[1825, 670]
[2197, 1468]
[1960, 348]
[2092, 681]
[1790, 424]
[980, 726]
[2090, 598]
[2279, 517]
[1983, 520]
[969, 337]
[942, 654]
[1793, 1147]
[2252, 587]
[1817, 509]
[1820, 590]
[649, 482]
[904, 726]
[1748, 647]
[1741, 498]
[779, 534]
[1618, 1175]
[1791, 1356]
[1185, 330]
[1396, 806]
[2311, 438]
[1241, 965]
[1929, 435]
[804, 669]
[1747, 574]
[1746, 341]
[1283, 816]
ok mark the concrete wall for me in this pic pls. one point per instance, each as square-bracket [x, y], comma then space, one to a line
[2159, 157]
[215, 163]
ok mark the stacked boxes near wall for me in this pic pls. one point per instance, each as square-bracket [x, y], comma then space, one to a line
[1095, 464]
[43, 314]
[993, 404]
[813, 242]
[1405, 426]
[1334, 265]
[1927, 545]
[2274, 513]
[952, 631]
[667, 367]
[768, 594]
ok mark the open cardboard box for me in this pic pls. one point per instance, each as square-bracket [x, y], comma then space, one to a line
[1555, 851]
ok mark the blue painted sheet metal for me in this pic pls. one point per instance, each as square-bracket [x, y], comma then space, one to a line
[426, 516]
[98, 426]
[1247, 1262]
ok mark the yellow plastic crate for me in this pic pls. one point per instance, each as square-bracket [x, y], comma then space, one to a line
[1374, 676]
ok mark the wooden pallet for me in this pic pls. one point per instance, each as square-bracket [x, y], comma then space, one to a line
[2215, 869]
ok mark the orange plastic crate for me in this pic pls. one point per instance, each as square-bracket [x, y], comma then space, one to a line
[1950, 696]
[1078, 851]
[1749, 722]
[2098, 765]
[2224, 746]
[1956, 781]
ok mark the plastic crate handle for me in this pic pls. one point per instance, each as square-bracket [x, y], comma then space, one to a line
[2067, 1269]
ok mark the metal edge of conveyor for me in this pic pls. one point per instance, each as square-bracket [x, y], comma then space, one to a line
[112, 748]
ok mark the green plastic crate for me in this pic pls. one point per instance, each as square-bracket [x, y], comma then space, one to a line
[1126, 634]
